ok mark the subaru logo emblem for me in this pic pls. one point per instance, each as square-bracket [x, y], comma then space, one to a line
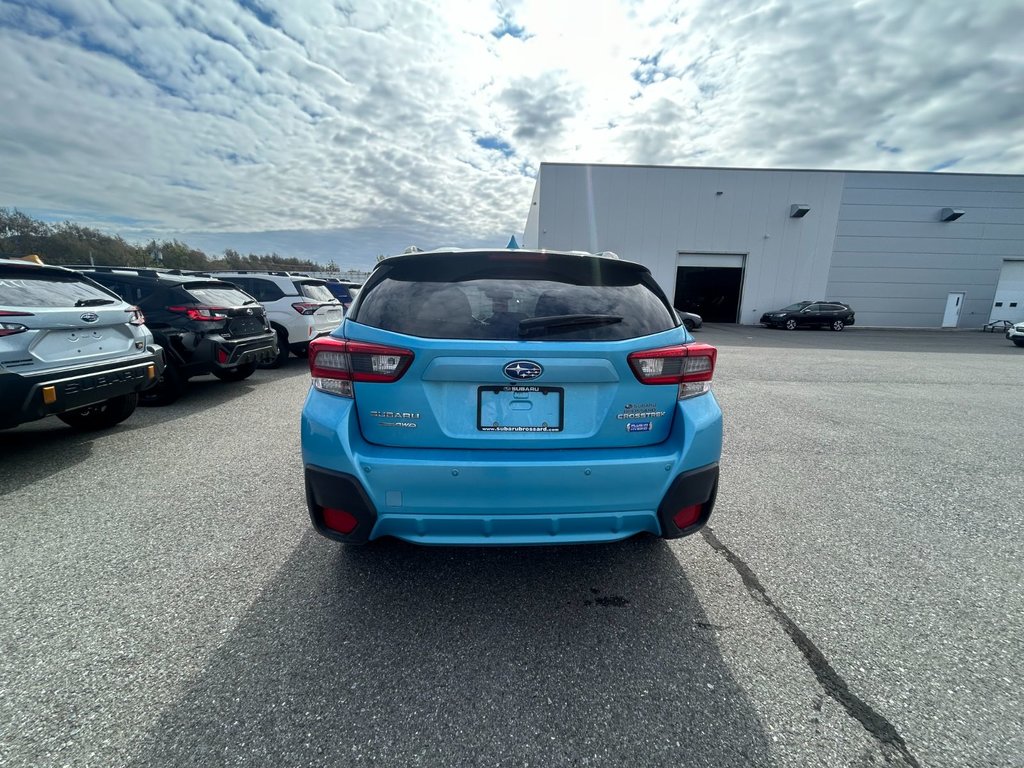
[248, 311]
[90, 317]
[521, 370]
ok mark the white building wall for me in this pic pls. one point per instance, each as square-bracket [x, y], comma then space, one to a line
[652, 214]
[872, 239]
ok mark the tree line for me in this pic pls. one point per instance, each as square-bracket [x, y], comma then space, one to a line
[70, 243]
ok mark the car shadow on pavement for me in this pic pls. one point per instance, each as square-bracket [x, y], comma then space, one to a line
[38, 449]
[399, 655]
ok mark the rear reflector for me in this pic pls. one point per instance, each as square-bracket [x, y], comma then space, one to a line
[687, 516]
[222, 356]
[691, 366]
[339, 520]
[334, 364]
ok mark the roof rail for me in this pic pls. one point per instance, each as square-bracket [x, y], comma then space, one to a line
[141, 271]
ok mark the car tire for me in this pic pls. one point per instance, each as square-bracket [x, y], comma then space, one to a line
[169, 387]
[102, 415]
[688, 324]
[300, 350]
[237, 373]
[790, 324]
[1019, 342]
[837, 325]
[282, 351]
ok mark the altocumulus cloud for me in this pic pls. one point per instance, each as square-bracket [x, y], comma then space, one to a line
[343, 130]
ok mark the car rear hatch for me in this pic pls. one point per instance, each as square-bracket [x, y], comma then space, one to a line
[52, 317]
[244, 315]
[318, 301]
[500, 350]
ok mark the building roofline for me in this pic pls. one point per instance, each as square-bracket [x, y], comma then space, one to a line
[775, 170]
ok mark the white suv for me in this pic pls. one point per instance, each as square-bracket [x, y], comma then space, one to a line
[69, 348]
[1015, 333]
[299, 308]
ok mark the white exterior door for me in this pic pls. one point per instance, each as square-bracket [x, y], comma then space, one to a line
[1009, 301]
[954, 303]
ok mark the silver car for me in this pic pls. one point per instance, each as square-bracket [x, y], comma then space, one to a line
[69, 348]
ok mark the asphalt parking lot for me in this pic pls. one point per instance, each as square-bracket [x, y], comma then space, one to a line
[856, 601]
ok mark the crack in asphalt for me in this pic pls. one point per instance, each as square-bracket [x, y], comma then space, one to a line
[834, 685]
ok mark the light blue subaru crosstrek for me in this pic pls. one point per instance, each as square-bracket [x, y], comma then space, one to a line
[510, 397]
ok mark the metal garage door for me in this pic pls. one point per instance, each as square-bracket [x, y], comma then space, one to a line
[709, 284]
[1009, 301]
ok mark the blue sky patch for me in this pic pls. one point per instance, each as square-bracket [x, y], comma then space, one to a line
[498, 145]
[507, 26]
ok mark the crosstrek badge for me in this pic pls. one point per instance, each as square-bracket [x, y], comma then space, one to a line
[639, 426]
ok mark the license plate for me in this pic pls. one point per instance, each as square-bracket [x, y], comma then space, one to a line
[519, 408]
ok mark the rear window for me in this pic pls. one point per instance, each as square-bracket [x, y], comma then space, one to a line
[339, 291]
[18, 289]
[219, 295]
[503, 297]
[315, 291]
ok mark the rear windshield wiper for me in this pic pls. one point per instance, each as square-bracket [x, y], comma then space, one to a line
[250, 301]
[533, 326]
[93, 302]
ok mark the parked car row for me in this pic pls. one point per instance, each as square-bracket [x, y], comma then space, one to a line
[88, 344]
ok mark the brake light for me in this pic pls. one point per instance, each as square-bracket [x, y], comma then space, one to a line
[201, 313]
[136, 318]
[334, 364]
[691, 366]
[305, 307]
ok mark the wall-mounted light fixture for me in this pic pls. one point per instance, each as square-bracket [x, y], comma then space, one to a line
[950, 214]
[798, 210]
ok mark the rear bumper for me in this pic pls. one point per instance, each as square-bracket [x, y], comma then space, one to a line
[512, 497]
[258, 349]
[197, 355]
[28, 397]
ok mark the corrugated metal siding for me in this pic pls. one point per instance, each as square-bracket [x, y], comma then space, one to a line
[896, 263]
[873, 239]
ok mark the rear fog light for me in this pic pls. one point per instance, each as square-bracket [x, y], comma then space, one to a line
[339, 520]
[687, 516]
[222, 356]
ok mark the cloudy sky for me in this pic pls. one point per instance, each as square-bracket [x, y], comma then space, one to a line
[349, 128]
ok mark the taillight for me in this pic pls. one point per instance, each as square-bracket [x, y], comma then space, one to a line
[136, 317]
[9, 329]
[203, 314]
[334, 364]
[691, 366]
[305, 307]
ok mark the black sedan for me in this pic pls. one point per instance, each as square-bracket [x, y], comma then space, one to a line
[807, 314]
